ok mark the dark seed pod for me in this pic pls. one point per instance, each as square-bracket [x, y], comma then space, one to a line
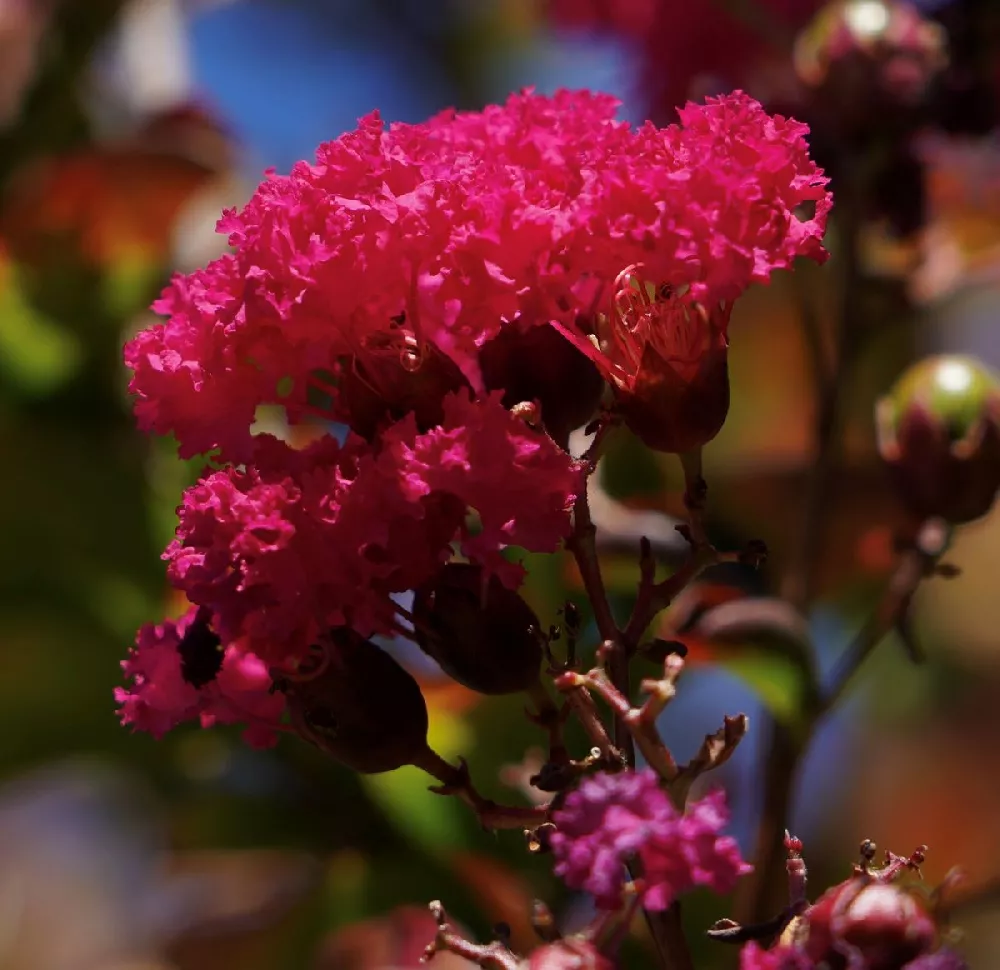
[394, 381]
[537, 363]
[481, 633]
[358, 704]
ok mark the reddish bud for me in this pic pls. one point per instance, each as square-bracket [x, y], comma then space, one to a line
[667, 361]
[861, 57]
[537, 363]
[394, 379]
[356, 703]
[481, 633]
[877, 924]
[568, 955]
[939, 434]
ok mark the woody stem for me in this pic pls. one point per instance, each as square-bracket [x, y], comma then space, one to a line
[665, 927]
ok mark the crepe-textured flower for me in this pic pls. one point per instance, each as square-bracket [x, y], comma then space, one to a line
[298, 542]
[390, 286]
[400, 245]
[609, 819]
[180, 671]
[663, 343]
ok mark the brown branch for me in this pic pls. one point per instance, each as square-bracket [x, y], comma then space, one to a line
[915, 564]
[455, 781]
[492, 956]
[665, 927]
[582, 543]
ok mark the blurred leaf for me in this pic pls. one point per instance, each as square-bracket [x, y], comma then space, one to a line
[119, 602]
[778, 681]
[130, 283]
[36, 354]
[763, 641]
[431, 821]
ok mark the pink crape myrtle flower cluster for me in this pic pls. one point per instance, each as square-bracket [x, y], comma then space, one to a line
[446, 302]
[369, 288]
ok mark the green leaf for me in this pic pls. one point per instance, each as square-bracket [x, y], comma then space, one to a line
[778, 681]
[36, 354]
[766, 643]
[428, 820]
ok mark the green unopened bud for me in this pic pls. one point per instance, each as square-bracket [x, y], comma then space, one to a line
[939, 433]
[480, 633]
[358, 704]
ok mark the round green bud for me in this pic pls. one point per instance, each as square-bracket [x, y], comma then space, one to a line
[939, 433]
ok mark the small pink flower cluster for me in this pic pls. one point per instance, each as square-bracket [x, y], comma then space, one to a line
[611, 819]
[399, 286]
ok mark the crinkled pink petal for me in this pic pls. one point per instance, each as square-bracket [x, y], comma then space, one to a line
[458, 226]
[300, 541]
[611, 818]
[158, 698]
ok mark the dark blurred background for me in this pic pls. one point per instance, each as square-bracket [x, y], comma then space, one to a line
[125, 128]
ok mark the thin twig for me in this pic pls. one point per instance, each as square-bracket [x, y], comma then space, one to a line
[665, 927]
[582, 543]
[491, 956]
[455, 781]
[586, 713]
[915, 564]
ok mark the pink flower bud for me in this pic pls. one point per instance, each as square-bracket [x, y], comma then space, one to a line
[880, 922]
